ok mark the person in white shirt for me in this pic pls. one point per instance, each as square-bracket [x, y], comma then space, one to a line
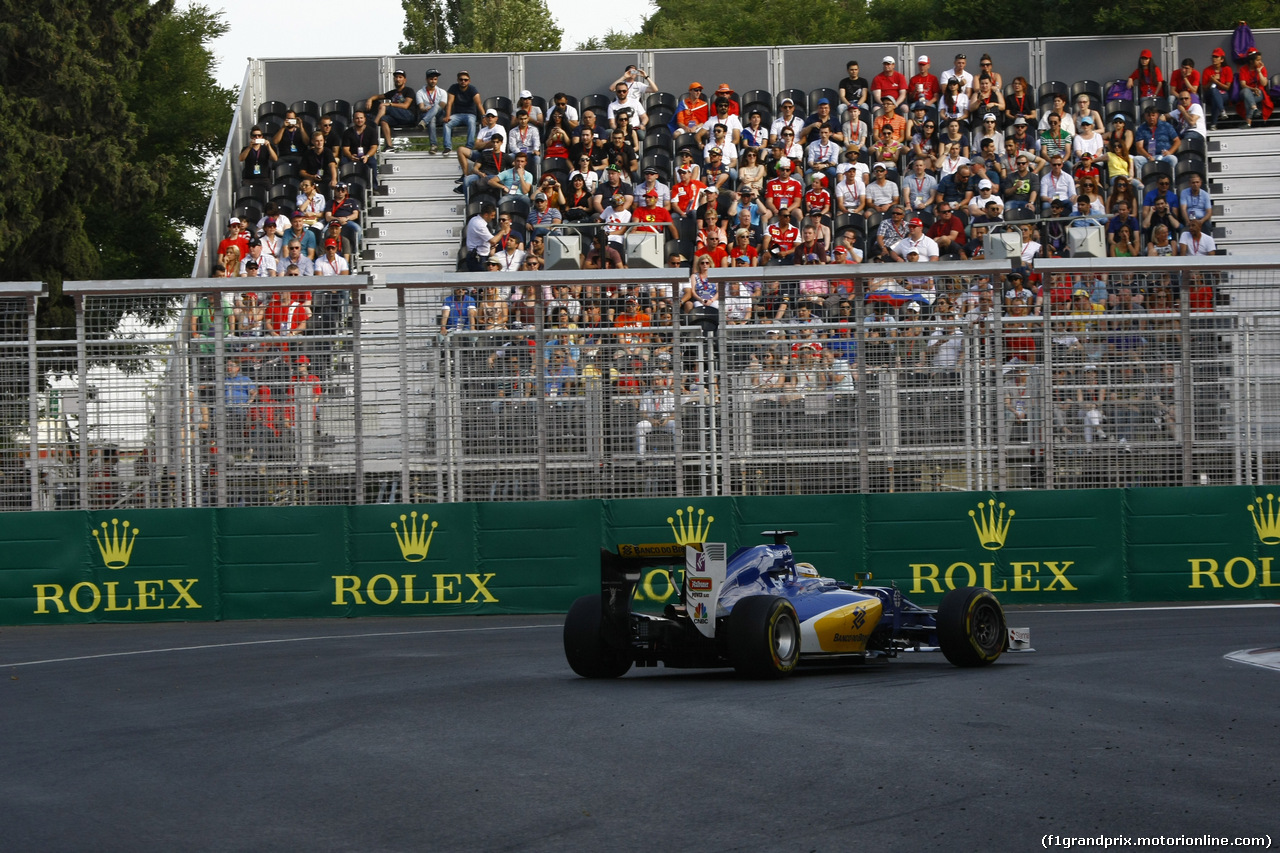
[1194, 242]
[638, 83]
[958, 72]
[915, 241]
[787, 119]
[624, 100]
[1057, 184]
[331, 263]
[1188, 118]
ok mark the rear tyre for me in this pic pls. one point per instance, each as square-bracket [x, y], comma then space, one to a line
[584, 644]
[763, 637]
[971, 627]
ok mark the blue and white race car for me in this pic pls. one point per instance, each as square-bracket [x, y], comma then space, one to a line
[762, 613]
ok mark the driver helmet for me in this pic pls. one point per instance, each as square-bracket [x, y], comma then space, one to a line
[806, 570]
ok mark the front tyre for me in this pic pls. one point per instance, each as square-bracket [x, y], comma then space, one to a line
[763, 637]
[584, 642]
[971, 627]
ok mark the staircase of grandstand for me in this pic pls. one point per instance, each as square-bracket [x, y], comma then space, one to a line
[1244, 181]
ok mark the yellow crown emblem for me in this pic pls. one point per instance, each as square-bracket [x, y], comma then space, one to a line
[1266, 521]
[992, 526]
[688, 533]
[116, 545]
[414, 539]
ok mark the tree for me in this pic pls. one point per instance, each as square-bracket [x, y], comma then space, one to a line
[479, 26]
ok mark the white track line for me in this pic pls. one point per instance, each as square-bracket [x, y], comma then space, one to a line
[1267, 658]
[281, 640]
[1163, 607]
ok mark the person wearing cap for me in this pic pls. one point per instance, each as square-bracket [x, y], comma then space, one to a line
[345, 211]
[924, 86]
[462, 108]
[487, 158]
[331, 263]
[889, 83]
[524, 137]
[892, 119]
[1088, 141]
[237, 236]
[694, 111]
[957, 71]
[1155, 140]
[1146, 81]
[853, 88]
[537, 118]
[987, 128]
[783, 195]
[1255, 99]
[254, 264]
[657, 218]
[822, 117]
[1026, 142]
[397, 107]
[883, 193]
[624, 99]
[686, 195]
[850, 194]
[1215, 86]
[915, 241]
[780, 240]
[954, 103]
[613, 185]
[615, 215]
[543, 215]
[360, 146]
[430, 101]
[787, 119]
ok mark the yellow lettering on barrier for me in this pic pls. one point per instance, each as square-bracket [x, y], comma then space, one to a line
[951, 570]
[145, 594]
[1249, 578]
[1019, 576]
[1197, 572]
[1060, 575]
[986, 578]
[918, 577]
[1266, 572]
[442, 588]
[408, 591]
[391, 596]
[482, 589]
[342, 584]
[74, 600]
[43, 598]
[111, 597]
[183, 593]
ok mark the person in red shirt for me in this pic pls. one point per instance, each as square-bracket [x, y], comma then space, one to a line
[889, 83]
[712, 239]
[924, 86]
[656, 216]
[686, 193]
[784, 194]
[817, 201]
[1147, 81]
[301, 384]
[1215, 86]
[236, 236]
[780, 241]
[742, 247]
[1186, 78]
[1254, 101]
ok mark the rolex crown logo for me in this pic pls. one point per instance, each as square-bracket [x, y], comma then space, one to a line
[414, 538]
[1266, 521]
[686, 531]
[992, 526]
[116, 544]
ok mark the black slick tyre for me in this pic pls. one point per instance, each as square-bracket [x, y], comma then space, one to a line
[584, 642]
[971, 626]
[763, 637]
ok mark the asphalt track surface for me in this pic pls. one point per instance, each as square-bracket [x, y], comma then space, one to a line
[471, 733]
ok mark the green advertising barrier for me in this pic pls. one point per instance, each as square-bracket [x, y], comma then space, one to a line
[437, 559]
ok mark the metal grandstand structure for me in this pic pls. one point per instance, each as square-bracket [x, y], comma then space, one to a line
[1182, 389]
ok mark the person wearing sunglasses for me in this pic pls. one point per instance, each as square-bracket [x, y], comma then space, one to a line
[1188, 116]
[462, 109]
[257, 158]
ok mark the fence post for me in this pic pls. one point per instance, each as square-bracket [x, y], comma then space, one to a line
[218, 453]
[1188, 409]
[33, 404]
[82, 370]
[357, 389]
[860, 347]
[402, 363]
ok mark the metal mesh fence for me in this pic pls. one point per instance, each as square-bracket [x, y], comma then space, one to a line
[1123, 373]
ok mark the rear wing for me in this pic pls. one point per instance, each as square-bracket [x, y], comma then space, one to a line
[621, 571]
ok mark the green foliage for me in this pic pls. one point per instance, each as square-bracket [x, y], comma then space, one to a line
[479, 26]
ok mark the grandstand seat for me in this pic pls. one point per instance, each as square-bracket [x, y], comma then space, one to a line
[1092, 88]
[338, 106]
[347, 169]
[660, 116]
[252, 193]
[515, 205]
[660, 160]
[1162, 103]
[287, 169]
[282, 186]
[757, 96]
[1044, 95]
[690, 141]
[594, 102]
[1021, 214]
[500, 103]
[1186, 168]
[659, 139]
[818, 94]
[796, 95]
[504, 119]
[661, 99]
[306, 108]
[1193, 144]
[271, 108]
[358, 187]
[248, 211]
[1124, 108]
[270, 125]
[1154, 168]
[556, 164]
[763, 107]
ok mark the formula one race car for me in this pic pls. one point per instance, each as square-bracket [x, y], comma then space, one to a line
[762, 613]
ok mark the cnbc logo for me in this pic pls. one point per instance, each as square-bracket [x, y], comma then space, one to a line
[413, 536]
[992, 522]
